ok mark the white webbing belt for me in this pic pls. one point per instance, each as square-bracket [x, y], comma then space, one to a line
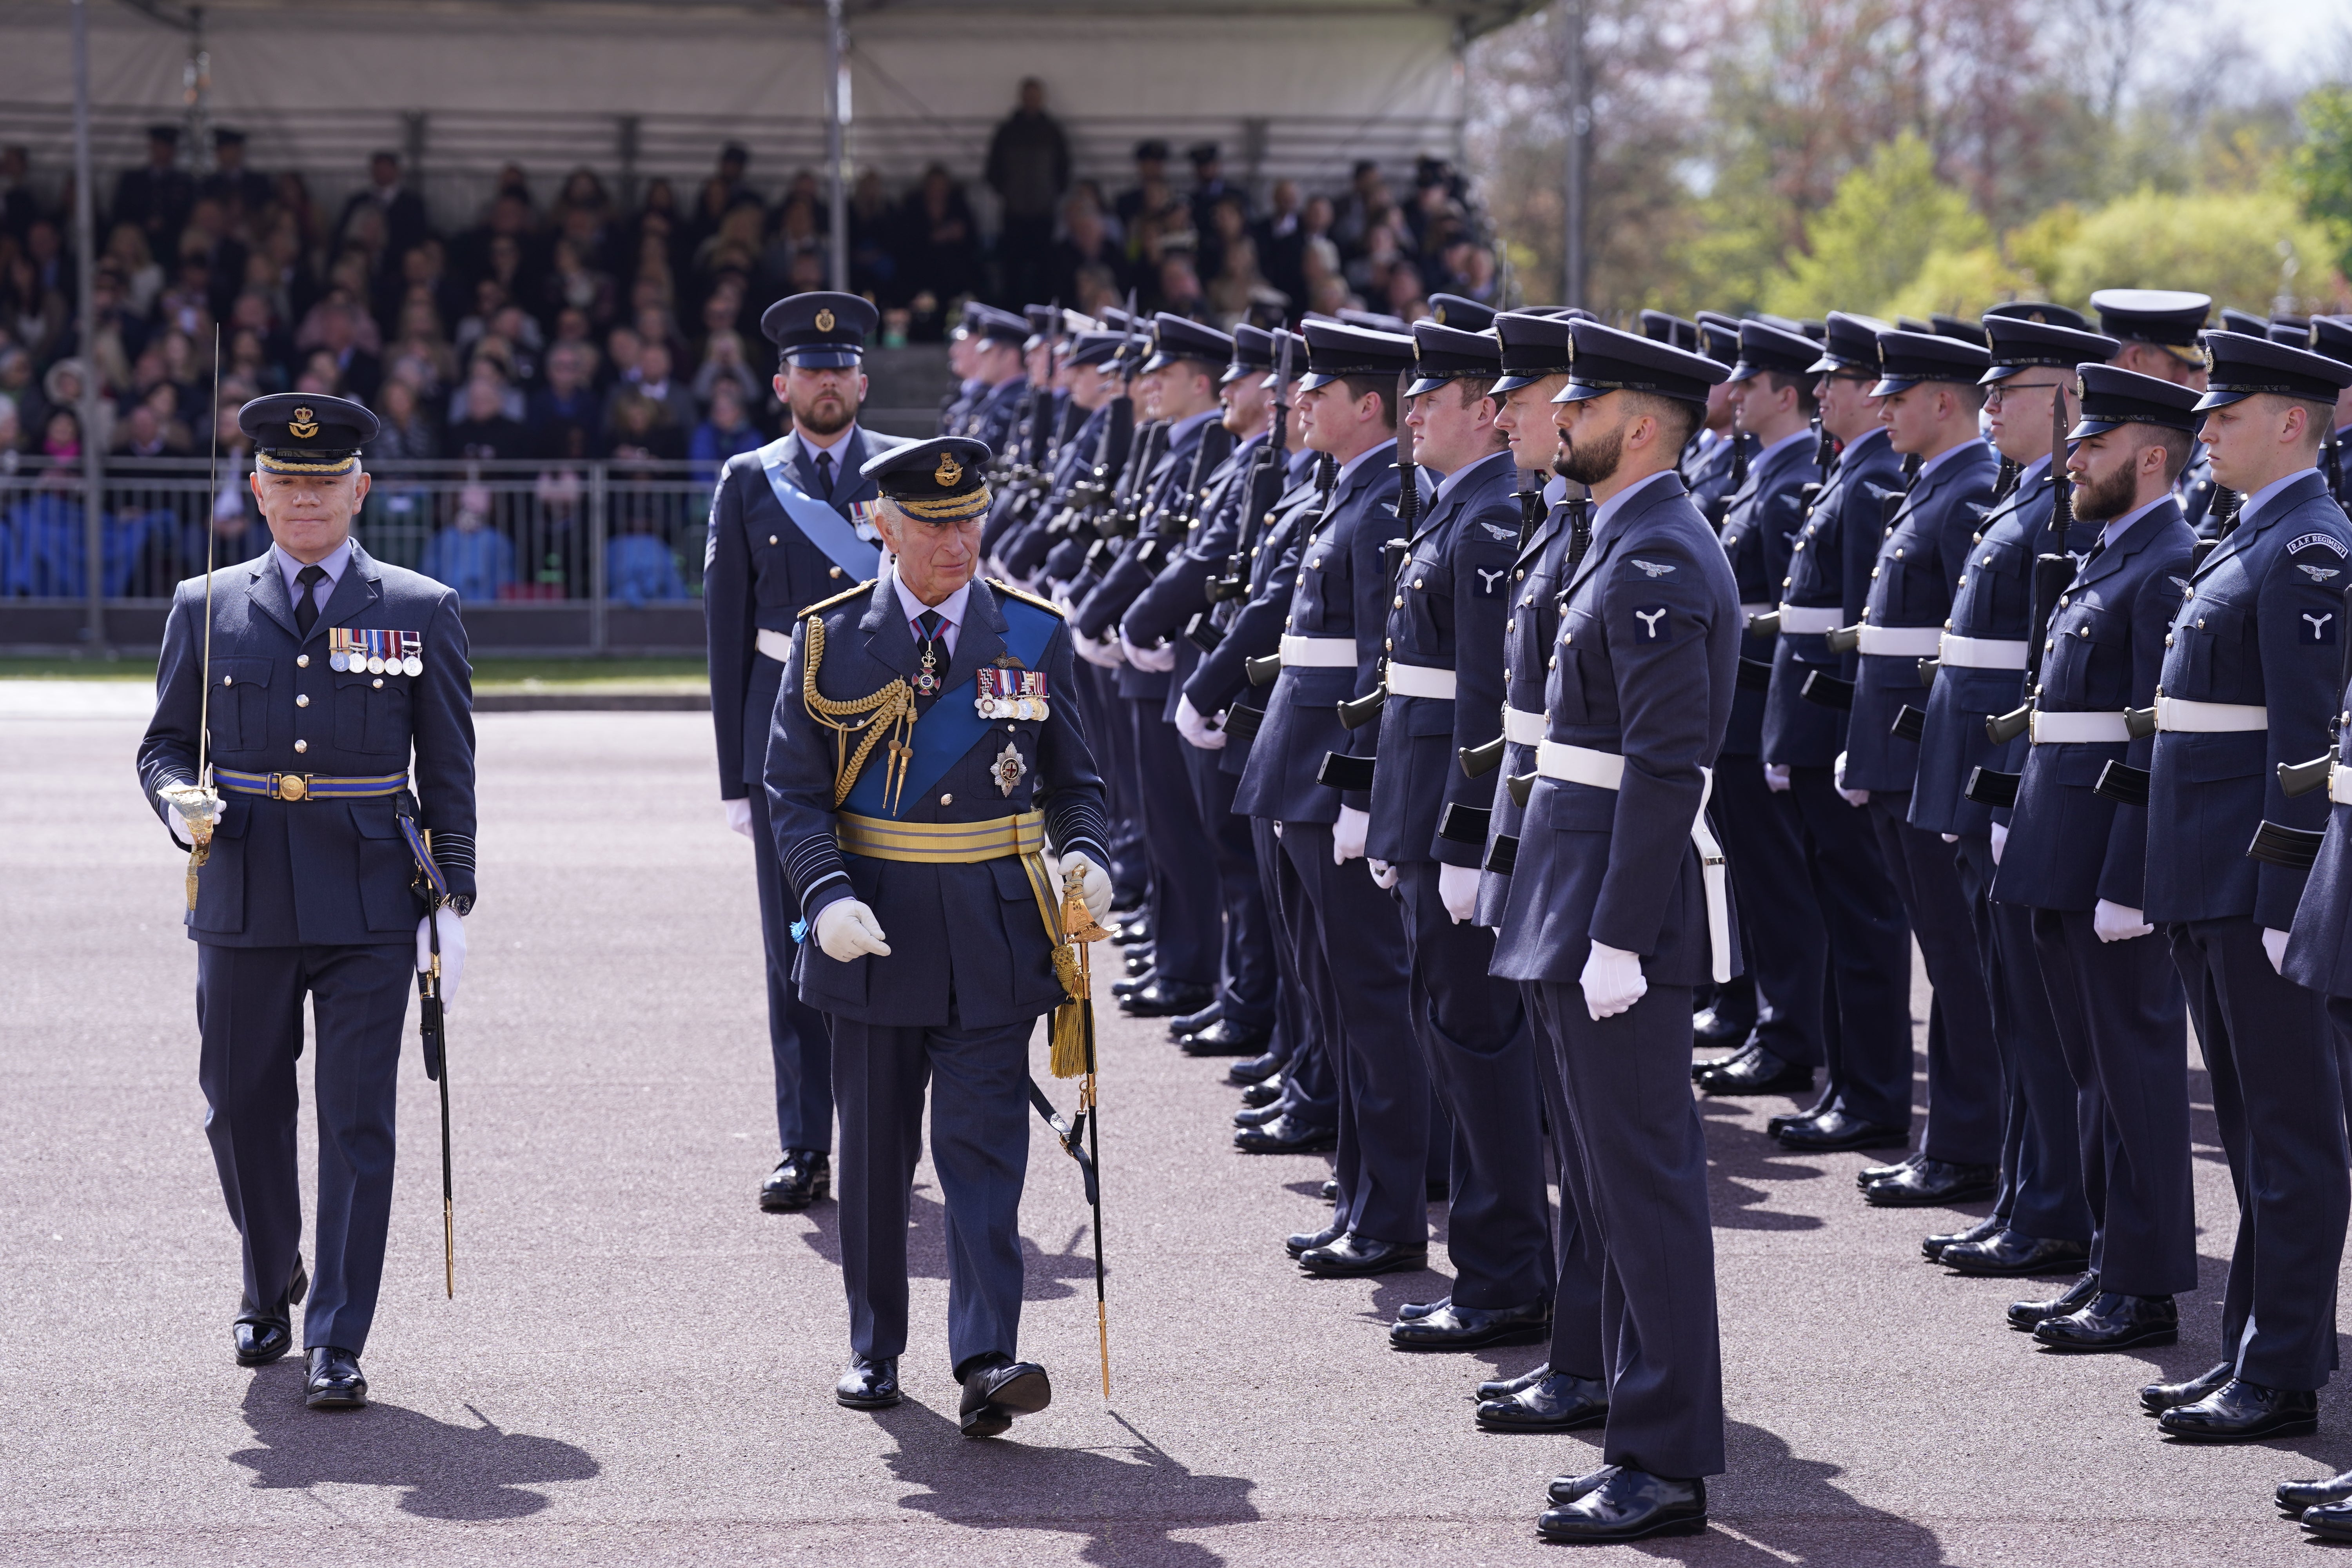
[1318, 653]
[1747, 610]
[1521, 728]
[777, 646]
[2078, 729]
[1902, 642]
[2339, 783]
[1982, 653]
[2179, 716]
[1606, 770]
[1420, 680]
[1808, 620]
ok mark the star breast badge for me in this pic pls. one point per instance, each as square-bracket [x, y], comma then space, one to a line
[1008, 770]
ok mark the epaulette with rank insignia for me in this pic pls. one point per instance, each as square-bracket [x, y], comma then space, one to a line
[1026, 596]
[865, 588]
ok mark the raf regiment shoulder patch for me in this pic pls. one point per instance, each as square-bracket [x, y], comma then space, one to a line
[2324, 541]
[2316, 630]
[1012, 694]
[865, 588]
[1026, 597]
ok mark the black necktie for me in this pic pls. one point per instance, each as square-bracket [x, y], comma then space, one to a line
[825, 472]
[305, 608]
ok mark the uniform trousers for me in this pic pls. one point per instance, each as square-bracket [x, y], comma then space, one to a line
[1247, 977]
[1310, 1089]
[1576, 1326]
[1383, 1089]
[979, 1147]
[2041, 1155]
[1187, 919]
[1869, 1046]
[1480, 1057]
[797, 1037]
[1641, 1178]
[1964, 1084]
[250, 1016]
[1112, 739]
[2272, 1056]
[1780, 929]
[2121, 1019]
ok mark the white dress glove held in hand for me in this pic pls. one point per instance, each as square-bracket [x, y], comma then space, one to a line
[1155, 660]
[2118, 922]
[1999, 840]
[1457, 889]
[846, 929]
[1384, 874]
[1197, 733]
[1347, 835]
[1612, 981]
[2274, 946]
[1776, 777]
[187, 803]
[1103, 653]
[453, 950]
[1093, 883]
[1837, 776]
[738, 816]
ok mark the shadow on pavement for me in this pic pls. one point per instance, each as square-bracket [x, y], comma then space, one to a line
[1739, 1163]
[467, 1473]
[1128, 1503]
[1046, 1276]
[1779, 1508]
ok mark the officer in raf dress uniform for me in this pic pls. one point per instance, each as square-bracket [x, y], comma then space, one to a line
[2159, 328]
[333, 676]
[2250, 679]
[1444, 680]
[2041, 1222]
[1928, 383]
[790, 525]
[999, 362]
[921, 759]
[1617, 909]
[1024, 549]
[1867, 1040]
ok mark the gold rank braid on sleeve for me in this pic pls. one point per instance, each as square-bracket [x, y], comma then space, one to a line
[887, 713]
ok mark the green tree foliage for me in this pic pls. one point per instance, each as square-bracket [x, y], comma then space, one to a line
[1885, 220]
[2320, 171]
[2230, 245]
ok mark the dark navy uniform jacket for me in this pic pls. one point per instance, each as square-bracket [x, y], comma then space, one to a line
[1758, 529]
[1342, 590]
[1991, 602]
[1531, 624]
[2260, 624]
[1709, 478]
[968, 945]
[1446, 613]
[1025, 545]
[1828, 568]
[2068, 847]
[759, 571]
[319, 872]
[1180, 591]
[2319, 948]
[1067, 562]
[1253, 626]
[1167, 488]
[1919, 560]
[1643, 665]
[996, 414]
[2196, 491]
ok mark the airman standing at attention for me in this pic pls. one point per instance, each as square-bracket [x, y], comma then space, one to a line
[2159, 330]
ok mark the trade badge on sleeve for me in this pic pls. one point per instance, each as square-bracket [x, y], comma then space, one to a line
[1012, 694]
[1653, 621]
[2317, 630]
[1008, 770]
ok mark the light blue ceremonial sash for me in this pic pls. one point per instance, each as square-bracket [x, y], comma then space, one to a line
[818, 522]
[949, 731]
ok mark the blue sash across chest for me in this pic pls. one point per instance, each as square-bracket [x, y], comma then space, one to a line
[953, 726]
[818, 522]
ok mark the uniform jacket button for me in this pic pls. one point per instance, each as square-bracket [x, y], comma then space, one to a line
[1397, 602]
[1519, 576]
[947, 800]
[228, 680]
[301, 745]
[379, 683]
[2201, 623]
[2168, 639]
[301, 661]
[303, 700]
[771, 539]
[835, 573]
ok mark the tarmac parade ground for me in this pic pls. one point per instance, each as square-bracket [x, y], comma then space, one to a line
[638, 1364]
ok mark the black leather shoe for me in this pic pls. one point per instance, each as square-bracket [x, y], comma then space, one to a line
[802, 1177]
[1352, 1256]
[1224, 1038]
[2296, 1496]
[2009, 1254]
[1413, 1312]
[2113, 1322]
[1776, 1125]
[261, 1335]
[1869, 1173]
[2158, 1397]
[1567, 1488]
[1756, 1072]
[996, 1388]
[2242, 1412]
[1834, 1131]
[1726, 1021]
[1135, 982]
[1715, 1064]
[1257, 1069]
[870, 1383]
[1932, 1246]
[1137, 965]
[1307, 1241]
[333, 1379]
[1934, 1183]
[1504, 1387]
[1160, 998]
[1329, 1191]
[2331, 1520]
[1127, 933]
[1257, 1116]
[1193, 1023]
[1128, 903]
[2025, 1315]
[1258, 1094]
[1631, 1505]
[1286, 1135]
[1458, 1327]
[1560, 1403]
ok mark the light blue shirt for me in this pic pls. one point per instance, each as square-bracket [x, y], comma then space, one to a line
[290, 569]
[950, 611]
[2255, 503]
[1616, 503]
[2116, 526]
[1956, 450]
[1453, 481]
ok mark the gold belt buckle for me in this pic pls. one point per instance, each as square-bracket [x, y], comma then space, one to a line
[291, 786]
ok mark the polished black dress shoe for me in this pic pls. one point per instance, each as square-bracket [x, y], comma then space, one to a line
[1834, 1131]
[1413, 1312]
[2025, 1315]
[1128, 903]
[1193, 1023]
[1257, 1116]
[1307, 1241]
[1224, 1038]
[1713, 1064]
[1329, 1191]
[1776, 1125]
[1258, 1094]
[1757, 1071]
[1504, 1387]
[2296, 1496]
[802, 1177]
[2113, 1322]
[2009, 1254]
[870, 1383]
[1160, 998]
[1138, 963]
[1726, 1021]
[2242, 1412]
[1286, 1135]
[2332, 1522]
[1932, 1246]
[996, 1388]
[1631, 1505]
[263, 1334]
[1458, 1327]
[1135, 982]
[1934, 1183]
[2158, 1397]
[1869, 1173]
[1127, 933]
[332, 1381]
[1567, 1488]
[1560, 1403]
[1256, 1070]
[1352, 1256]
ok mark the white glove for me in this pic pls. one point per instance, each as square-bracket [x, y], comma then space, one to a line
[1852, 796]
[1776, 777]
[1197, 733]
[1349, 833]
[1949, 837]
[1277, 830]
[1152, 659]
[1104, 652]
[2118, 922]
[1094, 882]
[190, 803]
[846, 929]
[738, 816]
[1384, 874]
[1999, 840]
[2274, 946]
[1612, 981]
[453, 950]
[1457, 889]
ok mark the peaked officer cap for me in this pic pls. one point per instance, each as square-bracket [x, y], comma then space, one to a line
[1444, 354]
[2243, 366]
[1763, 348]
[1534, 346]
[2017, 342]
[299, 432]
[1849, 342]
[1335, 348]
[2171, 317]
[1907, 359]
[1177, 338]
[940, 481]
[820, 331]
[1454, 310]
[2112, 395]
[1607, 360]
